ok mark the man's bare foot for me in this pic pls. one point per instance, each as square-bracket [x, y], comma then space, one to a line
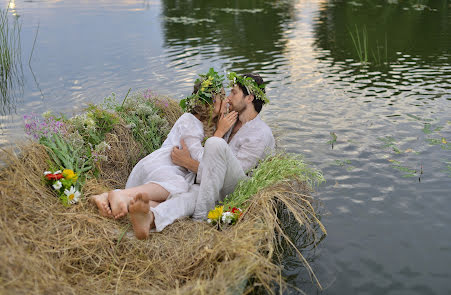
[118, 203]
[102, 204]
[141, 217]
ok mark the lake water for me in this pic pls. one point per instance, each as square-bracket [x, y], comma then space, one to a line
[387, 199]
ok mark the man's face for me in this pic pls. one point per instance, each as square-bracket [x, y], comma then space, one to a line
[236, 100]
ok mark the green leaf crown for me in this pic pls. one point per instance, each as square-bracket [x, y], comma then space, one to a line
[251, 86]
[210, 84]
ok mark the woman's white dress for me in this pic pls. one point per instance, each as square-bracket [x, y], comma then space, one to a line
[158, 168]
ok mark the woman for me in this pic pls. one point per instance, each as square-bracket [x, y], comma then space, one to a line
[155, 174]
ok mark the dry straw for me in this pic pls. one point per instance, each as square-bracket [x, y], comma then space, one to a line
[46, 248]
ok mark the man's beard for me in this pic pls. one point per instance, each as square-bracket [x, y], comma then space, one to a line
[238, 109]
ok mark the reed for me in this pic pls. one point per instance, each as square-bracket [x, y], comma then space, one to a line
[11, 73]
[360, 40]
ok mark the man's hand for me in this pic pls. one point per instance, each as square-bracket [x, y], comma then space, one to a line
[182, 157]
[225, 123]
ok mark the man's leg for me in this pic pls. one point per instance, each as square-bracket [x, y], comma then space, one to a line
[141, 217]
[178, 206]
[221, 172]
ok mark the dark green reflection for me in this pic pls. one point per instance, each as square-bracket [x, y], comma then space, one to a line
[417, 28]
[249, 32]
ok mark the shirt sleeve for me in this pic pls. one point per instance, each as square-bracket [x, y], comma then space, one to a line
[192, 133]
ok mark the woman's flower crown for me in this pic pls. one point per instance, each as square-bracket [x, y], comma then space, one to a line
[251, 86]
[210, 84]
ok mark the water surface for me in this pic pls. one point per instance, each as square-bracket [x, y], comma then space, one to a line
[387, 197]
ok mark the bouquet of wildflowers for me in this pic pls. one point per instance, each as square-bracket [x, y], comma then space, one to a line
[220, 217]
[65, 185]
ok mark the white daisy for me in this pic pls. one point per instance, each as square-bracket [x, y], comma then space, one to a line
[57, 185]
[227, 217]
[47, 172]
[73, 196]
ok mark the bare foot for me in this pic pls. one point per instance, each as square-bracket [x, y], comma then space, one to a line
[141, 217]
[118, 203]
[102, 204]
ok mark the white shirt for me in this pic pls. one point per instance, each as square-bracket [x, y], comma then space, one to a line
[253, 142]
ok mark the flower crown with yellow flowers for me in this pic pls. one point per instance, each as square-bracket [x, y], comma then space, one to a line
[251, 86]
[210, 84]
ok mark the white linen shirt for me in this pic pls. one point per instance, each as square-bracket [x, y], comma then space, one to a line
[252, 143]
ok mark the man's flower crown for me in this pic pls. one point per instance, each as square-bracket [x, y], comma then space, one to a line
[209, 84]
[251, 86]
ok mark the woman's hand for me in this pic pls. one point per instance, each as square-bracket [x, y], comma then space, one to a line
[225, 122]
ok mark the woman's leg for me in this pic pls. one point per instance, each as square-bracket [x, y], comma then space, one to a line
[120, 199]
[102, 204]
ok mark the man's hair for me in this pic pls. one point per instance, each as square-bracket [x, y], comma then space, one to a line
[258, 103]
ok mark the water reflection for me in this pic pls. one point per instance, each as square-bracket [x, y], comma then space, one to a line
[390, 29]
[392, 51]
[246, 33]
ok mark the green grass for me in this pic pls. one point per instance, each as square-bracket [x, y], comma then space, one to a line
[274, 169]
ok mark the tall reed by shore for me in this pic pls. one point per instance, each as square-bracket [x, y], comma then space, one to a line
[11, 74]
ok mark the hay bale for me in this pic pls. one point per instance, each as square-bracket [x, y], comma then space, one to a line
[46, 248]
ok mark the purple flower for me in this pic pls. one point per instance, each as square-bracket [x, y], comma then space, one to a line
[37, 127]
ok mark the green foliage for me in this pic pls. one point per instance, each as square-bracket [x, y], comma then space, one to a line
[333, 139]
[345, 163]
[390, 142]
[249, 84]
[142, 117]
[428, 129]
[65, 155]
[208, 84]
[274, 169]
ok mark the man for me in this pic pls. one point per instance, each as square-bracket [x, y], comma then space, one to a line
[235, 148]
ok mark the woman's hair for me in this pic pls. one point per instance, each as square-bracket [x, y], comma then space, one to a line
[205, 112]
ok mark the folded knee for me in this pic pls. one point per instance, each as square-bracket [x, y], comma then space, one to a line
[215, 144]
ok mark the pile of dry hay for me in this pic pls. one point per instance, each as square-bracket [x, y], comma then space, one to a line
[46, 248]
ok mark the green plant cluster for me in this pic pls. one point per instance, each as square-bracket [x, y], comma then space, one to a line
[274, 169]
[145, 120]
[250, 84]
[209, 85]
[81, 143]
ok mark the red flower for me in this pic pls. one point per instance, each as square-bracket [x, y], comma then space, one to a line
[235, 210]
[54, 176]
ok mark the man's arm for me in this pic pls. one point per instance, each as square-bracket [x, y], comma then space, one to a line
[182, 157]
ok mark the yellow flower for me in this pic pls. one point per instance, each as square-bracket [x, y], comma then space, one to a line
[216, 213]
[69, 174]
[444, 140]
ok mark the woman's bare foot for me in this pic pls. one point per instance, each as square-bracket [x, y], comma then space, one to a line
[102, 204]
[118, 203]
[141, 217]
